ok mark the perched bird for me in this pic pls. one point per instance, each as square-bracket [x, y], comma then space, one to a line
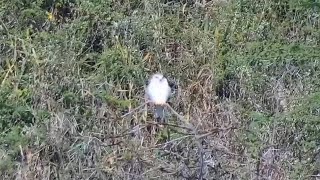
[158, 91]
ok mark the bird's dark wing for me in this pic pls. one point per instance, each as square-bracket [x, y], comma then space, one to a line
[173, 85]
[146, 82]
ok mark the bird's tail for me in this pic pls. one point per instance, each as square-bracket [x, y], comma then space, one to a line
[159, 113]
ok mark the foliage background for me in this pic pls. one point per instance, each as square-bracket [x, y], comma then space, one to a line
[248, 86]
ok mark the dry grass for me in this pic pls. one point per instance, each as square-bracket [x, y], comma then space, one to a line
[247, 76]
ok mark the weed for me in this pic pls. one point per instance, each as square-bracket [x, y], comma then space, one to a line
[247, 74]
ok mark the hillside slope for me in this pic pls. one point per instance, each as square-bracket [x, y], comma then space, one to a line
[247, 76]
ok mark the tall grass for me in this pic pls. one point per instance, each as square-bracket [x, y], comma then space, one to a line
[248, 83]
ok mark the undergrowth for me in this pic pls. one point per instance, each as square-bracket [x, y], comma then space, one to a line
[247, 76]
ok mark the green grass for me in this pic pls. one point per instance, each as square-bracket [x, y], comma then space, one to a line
[248, 84]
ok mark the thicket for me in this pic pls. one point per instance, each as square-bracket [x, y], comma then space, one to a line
[247, 74]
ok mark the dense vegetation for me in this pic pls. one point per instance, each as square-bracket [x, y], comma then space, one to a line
[247, 72]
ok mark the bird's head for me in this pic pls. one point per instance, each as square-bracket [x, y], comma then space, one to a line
[157, 76]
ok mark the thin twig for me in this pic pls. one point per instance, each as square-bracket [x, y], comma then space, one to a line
[197, 138]
[134, 110]
[168, 124]
[175, 112]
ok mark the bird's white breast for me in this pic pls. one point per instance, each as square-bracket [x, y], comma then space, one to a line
[158, 91]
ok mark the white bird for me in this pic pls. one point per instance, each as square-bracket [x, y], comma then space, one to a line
[158, 92]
